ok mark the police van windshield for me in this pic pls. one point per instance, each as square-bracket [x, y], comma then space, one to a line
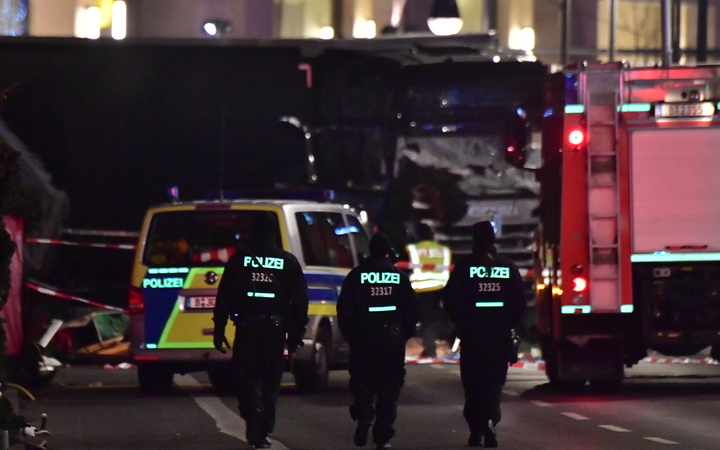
[197, 237]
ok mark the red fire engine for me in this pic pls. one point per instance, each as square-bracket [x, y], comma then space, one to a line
[627, 256]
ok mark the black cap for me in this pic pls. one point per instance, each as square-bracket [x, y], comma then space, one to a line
[264, 225]
[424, 232]
[483, 234]
[380, 245]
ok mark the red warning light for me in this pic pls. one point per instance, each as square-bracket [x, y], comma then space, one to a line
[579, 284]
[576, 137]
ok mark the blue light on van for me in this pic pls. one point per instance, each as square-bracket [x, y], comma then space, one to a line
[346, 230]
[150, 345]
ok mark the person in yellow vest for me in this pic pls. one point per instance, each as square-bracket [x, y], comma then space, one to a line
[430, 265]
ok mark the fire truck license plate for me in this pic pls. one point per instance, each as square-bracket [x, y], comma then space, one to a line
[201, 302]
[703, 109]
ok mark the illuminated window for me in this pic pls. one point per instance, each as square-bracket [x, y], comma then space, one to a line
[119, 20]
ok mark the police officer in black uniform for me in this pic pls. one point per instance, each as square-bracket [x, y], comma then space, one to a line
[264, 292]
[377, 313]
[485, 298]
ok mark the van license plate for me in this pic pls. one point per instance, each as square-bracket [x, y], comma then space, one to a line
[200, 302]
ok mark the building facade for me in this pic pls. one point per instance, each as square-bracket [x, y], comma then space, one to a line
[598, 29]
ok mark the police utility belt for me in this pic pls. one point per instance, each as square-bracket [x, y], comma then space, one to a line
[258, 320]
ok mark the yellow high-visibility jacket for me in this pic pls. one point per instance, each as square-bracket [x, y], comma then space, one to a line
[436, 258]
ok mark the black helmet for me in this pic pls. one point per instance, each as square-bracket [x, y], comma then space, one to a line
[264, 226]
[424, 232]
[380, 245]
[483, 234]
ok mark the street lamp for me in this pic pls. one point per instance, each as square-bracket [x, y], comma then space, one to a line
[444, 18]
[217, 27]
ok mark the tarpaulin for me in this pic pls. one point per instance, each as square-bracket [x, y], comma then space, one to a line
[11, 312]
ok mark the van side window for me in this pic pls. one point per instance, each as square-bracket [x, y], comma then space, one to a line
[197, 237]
[324, 238]
[362, 243]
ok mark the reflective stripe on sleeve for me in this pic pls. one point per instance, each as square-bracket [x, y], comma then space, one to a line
[261, 294]
[382, 308]
[489, 304]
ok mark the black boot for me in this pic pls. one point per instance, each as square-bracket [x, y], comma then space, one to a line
[475, 439]
[264, 443]
[361, 434]
[489, 435]
[254, 432]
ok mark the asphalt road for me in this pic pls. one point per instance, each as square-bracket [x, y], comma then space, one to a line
[658, 405]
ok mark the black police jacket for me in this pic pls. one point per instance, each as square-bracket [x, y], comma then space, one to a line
[263, 281]
[485, 297]
[374, 296]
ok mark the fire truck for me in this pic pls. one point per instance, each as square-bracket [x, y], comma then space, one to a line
[627, 254]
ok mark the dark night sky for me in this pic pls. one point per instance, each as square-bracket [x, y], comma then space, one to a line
[117, 123]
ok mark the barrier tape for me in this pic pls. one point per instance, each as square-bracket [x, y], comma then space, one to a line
[525, 273]
[680, 360]
[222, 254]
[225, 253]
[80, 244]
[111, 233]
[409, 265]
[55, 293]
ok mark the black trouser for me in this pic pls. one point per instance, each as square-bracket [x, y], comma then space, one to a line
[377, 374]
[258, 352]
[483, 370]
[429, 308]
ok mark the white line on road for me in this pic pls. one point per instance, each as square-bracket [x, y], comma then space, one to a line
[574, 416]
[510, 393]
[226, 420]
[614, 428]
[541, 404]
[661, 440]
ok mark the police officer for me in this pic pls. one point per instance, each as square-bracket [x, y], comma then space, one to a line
[377, 312]
[264, 292]
[428, 282]
[485, 298]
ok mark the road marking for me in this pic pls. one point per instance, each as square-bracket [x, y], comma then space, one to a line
[661, 440]
[574, 416]
[614, 428]
[226, 420]
[510, 393]
[541, 404]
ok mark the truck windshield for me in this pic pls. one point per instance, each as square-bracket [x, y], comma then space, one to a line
[197, 237]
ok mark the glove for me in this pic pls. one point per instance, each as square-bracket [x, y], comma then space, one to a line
[294, 343]
[220, 341]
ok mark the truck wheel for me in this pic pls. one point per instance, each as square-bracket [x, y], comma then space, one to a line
[715, 352]
[312, 375]
[154, 378]
[223, 378]
[552, 370]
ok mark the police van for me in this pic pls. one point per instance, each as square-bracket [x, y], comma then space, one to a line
[179, 262]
